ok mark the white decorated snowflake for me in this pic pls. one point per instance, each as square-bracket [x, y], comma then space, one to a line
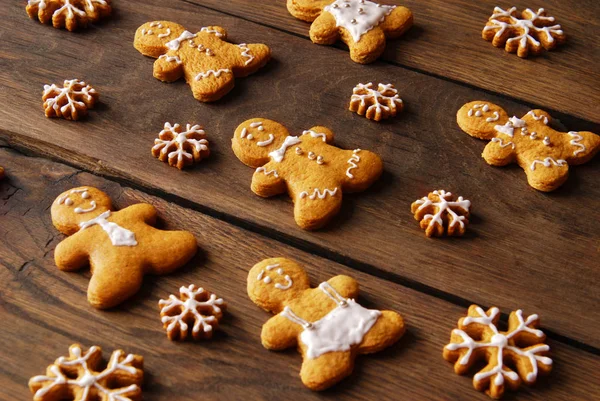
[180, 147]
[78, 376]
[195, 307]
[513, 355]
[375, 104]
[71, 101]
[529, 34]
[70, 14]
[440, 209]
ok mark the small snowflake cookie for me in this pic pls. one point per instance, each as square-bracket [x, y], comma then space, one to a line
[205, 59]
[121, 247]
[307, 167]
[512, 356]
[375, 104]
[440, 211]
[326, 324]
[79, 377]
[70, 14]
[195, 308]
[542, 152]
[181, 147]
[70, 102]
[530, 34]
[363, 25]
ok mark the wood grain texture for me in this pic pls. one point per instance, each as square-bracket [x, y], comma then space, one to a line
[45, 310]
[525, 249]
[446, 41]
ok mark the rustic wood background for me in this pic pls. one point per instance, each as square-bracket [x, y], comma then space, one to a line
[524, 249]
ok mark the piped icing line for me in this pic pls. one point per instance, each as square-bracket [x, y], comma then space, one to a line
[494, 118]
[256, 124]
[355, 158]
[358, 16]
[444, 205]
[217, 73]
[164, 35]
[211, 31]
[80, 210]
[317, 193]
[267, 280]
[502, 144]
[63, 198]
[267, 172]
[266, 142]
[246, 53]
[118, 235]
[576, 141]
[538, 118]
[315, 134]
[171, 58]
[156, 24]
[279, 154]
[548, 162]
[176, 43]
[190, 305]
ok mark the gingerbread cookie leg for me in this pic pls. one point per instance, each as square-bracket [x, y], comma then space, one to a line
[107, 289]
[314, 207]
[545, 174]
[211, 84]
[322, 372]
[397, 23]
[368, 49]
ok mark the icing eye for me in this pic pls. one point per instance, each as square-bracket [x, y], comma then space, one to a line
[267, 280]
[85, 195]
[69, 202]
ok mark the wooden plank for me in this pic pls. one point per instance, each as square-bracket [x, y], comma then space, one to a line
[525, 249]
[446, 41]
[48, 308]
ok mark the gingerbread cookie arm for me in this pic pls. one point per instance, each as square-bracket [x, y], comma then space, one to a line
[397, 22]
[140, 211]
[388, 329]
[499, 152]
[168, 67]
[182, 247]
[249, 58]
[363, 168]
[480, 118]
[280, 333]
[306, 10]
[346, 286]
[72, 253]
[581, 148]
[318, 133]
[266, 181]
[326, 370]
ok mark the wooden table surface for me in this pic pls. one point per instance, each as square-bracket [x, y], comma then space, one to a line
[524, 249]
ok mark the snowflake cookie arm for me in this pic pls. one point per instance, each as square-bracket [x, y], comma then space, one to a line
[480, 119]
[267, 182]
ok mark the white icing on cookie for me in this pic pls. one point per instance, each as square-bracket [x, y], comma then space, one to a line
[318, 194]
[358, 16]
[266, 142]
[548, 162]
[265, 172]
[576, 141]
[171, 58]
[176, 43]
[217, 73]
[267, 280]
[118, 235]
[278, 155]
[246, 53]
[352, 162]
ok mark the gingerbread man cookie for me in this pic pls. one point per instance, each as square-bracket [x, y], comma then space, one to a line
[326, 324]
[70, 14]
[362, 24]
[208, 63]
[521, 348]
[542, 152]
[312, 171]
[120, 247]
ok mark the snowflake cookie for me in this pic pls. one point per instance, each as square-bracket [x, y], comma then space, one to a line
[440, 210]
[70, 14]
[375, 104]
[308, 167]
[121, 247]
[362, 24]
[529, 34]
[513, 355]
[79, 378]
[205, 59]
[326, 324]
[195, 307]
[180, 147]
[542, 152]
[71, 101]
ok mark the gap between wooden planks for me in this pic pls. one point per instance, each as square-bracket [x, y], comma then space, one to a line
[48, 310]
[446, 41]
[524, 249]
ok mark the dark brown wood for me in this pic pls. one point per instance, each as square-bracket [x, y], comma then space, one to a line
[525, 249]
[446, 41]
[45, 310]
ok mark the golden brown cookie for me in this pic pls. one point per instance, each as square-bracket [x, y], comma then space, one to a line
[529, 34]
[79, 377]
[120, 247]
[70, 102]
[542, 152]
[312, 171]
[70, 14]
[362, 24]
[439, 211]
[196, 310]
[326, 324]
[208, 63]
[181, 147]
[521, 348]
[375, 104]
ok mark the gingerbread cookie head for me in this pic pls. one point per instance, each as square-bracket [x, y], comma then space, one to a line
[256, 139]
[208, 63]
[274, 282]
[544, 153]
[78, 205]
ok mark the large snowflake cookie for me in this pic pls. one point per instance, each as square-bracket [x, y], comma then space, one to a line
[530, 34]
[375, 104]
[70, 14]
[71, 102]
[363, 25]
[121, 247]
[312, 171]
[195, 308]
[326, 324]
[80, 378]
[512, 356]
[205, 59]
[440, 211]
[181, 147]
[542, 152]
